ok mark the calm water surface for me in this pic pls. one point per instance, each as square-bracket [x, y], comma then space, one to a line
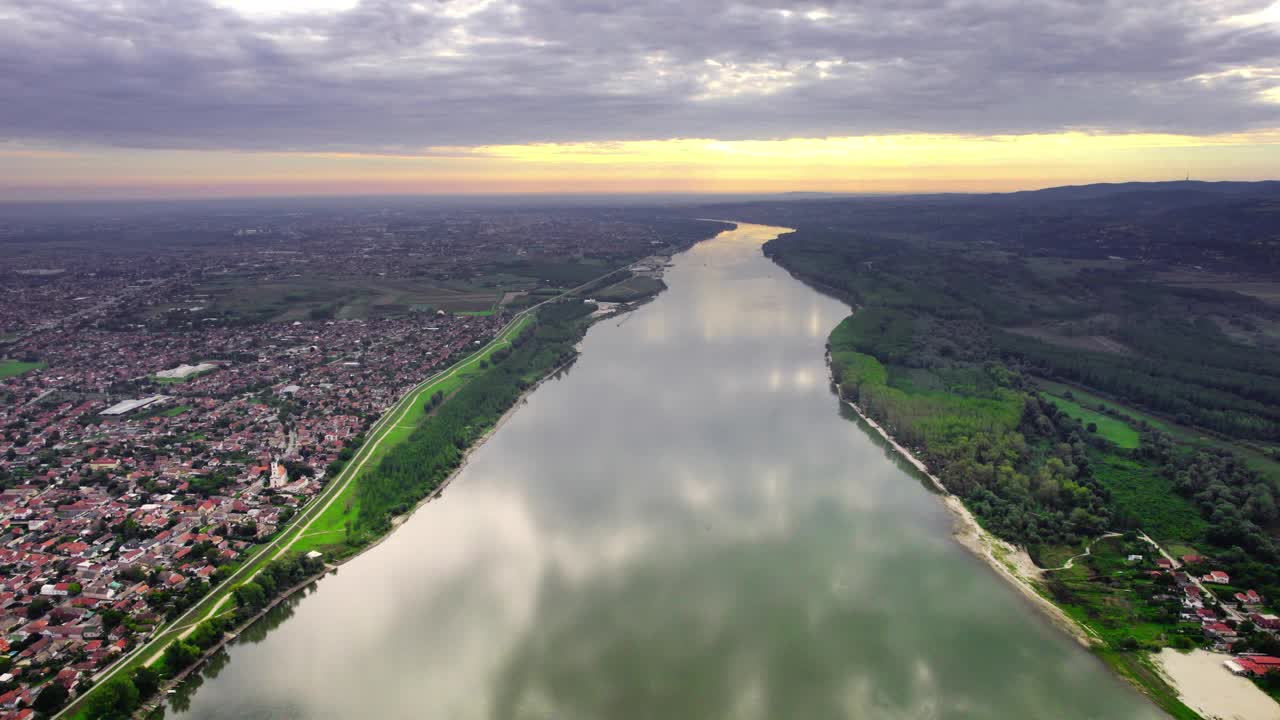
[683, 525]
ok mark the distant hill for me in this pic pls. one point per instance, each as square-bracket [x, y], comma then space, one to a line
[1226, 225]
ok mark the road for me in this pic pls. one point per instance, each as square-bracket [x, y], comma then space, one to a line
[1071, 561]
[1230, 612]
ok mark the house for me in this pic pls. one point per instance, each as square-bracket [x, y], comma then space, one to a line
[1270, 622]
[1165, 563]
[1217, 577]
[1133, 559]
[1220, 631]
[58, 590]
[1192, 559]
[1249, 598]
[1252, 665]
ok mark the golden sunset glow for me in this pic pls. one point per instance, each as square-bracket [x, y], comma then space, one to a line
[889, 163]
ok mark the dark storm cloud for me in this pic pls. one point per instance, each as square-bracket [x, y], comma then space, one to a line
[395, 76]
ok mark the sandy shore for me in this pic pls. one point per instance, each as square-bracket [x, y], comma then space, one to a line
[1010, 562]
[1210, 689]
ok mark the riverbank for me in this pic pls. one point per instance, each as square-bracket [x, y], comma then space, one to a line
[1009, 562]
[1177, 693]
[399, 520]
[227, 637]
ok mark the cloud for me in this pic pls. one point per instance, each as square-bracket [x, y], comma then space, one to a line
[396, 77]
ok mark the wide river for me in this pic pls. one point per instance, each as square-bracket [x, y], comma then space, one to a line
[685, 525]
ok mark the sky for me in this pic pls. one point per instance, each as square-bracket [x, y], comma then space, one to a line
[191, 98]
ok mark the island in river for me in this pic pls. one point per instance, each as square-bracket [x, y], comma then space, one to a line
[684, 524]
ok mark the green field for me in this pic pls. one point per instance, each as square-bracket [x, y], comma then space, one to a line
[1255, 459]
[1115, 431]
[323, 297]
[566, 273]
[631, 289]
[11, 368]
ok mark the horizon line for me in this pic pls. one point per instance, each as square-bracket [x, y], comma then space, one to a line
[551, 194]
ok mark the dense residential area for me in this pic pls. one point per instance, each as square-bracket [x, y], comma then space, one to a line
[160, 421]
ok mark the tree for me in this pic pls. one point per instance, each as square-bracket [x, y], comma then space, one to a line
[111, 618]
[250, 596]
[180, 655]
[146, 680]
[51, 698]
[205, 635]
[114, 699]
[38, 607]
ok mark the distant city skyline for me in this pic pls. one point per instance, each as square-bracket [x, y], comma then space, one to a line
[143, 99]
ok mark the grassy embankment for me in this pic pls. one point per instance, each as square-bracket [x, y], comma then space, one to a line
[328, 531]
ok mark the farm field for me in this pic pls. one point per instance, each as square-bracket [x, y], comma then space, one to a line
[319, 297]
[1112, 429]
[630, 289]
[1253, 457]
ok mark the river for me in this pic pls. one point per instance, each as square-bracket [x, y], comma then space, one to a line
[685, 524]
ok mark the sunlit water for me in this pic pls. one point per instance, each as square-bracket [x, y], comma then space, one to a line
[684, 525]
